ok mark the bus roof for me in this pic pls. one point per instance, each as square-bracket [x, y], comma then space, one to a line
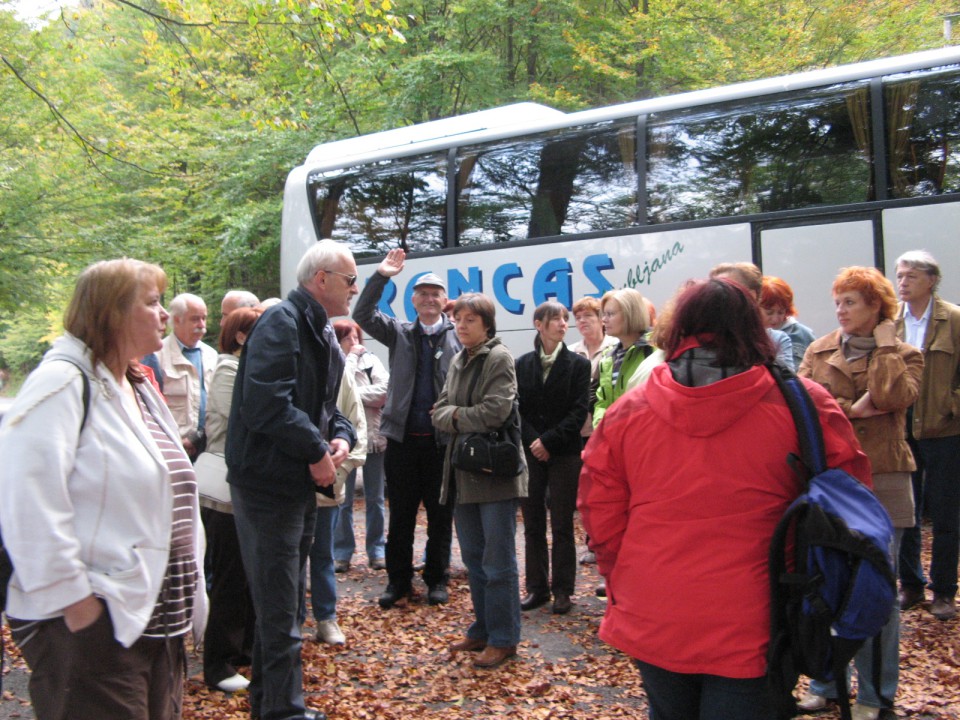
[528, 118]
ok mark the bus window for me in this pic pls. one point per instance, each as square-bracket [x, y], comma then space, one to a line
[396, 203]
[580, 181]
[794, 151]
[923, 121]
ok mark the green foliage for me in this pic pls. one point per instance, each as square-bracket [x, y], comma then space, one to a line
[164, 129]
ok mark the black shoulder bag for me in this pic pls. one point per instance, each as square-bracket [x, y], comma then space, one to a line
[498, 454]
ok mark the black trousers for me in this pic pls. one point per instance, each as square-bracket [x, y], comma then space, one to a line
[552, 485]
[414, 470]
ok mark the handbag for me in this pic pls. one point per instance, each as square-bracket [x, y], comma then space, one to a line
[494, 453]
[211, 470]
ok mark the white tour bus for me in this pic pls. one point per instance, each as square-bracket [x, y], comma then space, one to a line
[802, 175]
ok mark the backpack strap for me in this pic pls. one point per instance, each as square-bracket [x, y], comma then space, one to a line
[86, 390]
[805, 417]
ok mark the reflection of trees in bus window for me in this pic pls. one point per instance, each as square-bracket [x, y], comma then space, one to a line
[400, 203]
[576, 182]
[923, 130]
[776, 154]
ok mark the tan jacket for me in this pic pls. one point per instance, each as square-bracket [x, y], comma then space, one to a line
[891, 374]
[181, 382]
[937, 412]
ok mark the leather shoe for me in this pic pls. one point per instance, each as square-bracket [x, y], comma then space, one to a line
[910, 597]
[493, 656]
[341, 566]
[438, 595]
[561, 604]
[391, 595]
[534, 600]
[943, 607]
[468, 645]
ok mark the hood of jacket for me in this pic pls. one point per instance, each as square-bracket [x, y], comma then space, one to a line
[708, 409]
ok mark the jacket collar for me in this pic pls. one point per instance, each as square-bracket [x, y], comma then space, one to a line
[314, 313]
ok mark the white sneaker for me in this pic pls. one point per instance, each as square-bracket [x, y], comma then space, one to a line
[864, 712]
[233, 683]
[811, 702]
[329, 632]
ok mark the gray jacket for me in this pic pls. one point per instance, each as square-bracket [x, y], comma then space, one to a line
[402, 339]
[497, 385]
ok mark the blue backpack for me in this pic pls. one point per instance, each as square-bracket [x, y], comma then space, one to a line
[837, 588]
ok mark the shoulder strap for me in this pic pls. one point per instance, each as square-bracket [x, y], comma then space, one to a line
[476, 376]
[805, 417]
[86, 389]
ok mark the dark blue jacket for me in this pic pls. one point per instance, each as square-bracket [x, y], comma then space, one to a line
[553, 411]
[284, 399]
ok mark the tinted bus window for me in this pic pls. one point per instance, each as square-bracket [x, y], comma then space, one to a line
[580, 181]
[761, 155]
[923, 121]
[384, 204]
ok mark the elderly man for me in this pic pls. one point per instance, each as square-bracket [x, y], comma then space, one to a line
[420, 355]
[186, 364]
[933, 431]
[234, 299]
[285, 440]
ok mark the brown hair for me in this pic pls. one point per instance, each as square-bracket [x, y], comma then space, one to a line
[872, 286]
[481, 305]
[586, 304]
[745, 273]
[239, 321]
[343, 327]
[776, 293]
[102, 298]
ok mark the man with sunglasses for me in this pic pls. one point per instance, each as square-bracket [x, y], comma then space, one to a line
[420, 355]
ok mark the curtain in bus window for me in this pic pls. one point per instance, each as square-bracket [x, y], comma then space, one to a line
[760, 155]
[398, 203]
[923, 119]
[576, 182]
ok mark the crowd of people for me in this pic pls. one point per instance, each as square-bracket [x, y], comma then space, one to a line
[175, 488]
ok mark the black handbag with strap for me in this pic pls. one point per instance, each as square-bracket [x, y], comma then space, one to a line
[495, 453]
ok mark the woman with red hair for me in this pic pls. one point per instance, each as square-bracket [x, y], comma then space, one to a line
[776, 301]
[874, 377]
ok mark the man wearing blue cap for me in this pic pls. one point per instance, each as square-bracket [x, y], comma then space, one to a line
[420, 355]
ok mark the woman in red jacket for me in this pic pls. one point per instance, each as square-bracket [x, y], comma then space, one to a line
[682, 486]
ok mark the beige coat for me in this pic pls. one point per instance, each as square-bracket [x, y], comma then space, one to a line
[181, 382]
[497, 389]
[348, 402]
[937, 412]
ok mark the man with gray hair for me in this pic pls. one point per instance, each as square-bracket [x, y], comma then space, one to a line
[186, 364]
[235, 299]
[285, 441]
[933, 431]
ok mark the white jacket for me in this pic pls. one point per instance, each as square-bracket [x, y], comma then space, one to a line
[349, 403]
[181, 382]
[87, 512]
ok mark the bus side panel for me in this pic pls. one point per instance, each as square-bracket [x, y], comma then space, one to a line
[809, 257]
[519, 278]
[296, 230]
[934, 228]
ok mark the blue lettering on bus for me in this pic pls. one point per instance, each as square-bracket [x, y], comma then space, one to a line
[389, 295]
[593, 267]
[553, 280]
[501, 276]
[457, 284]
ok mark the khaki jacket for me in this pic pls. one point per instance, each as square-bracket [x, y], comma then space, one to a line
[497, 389]
[181, 382]
[937, 412]
[891, 374]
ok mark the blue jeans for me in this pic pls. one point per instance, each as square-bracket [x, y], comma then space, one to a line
[344, 544]
[679, 696]
[936, 494]
[323, 580]
[487, 535]
[275, 535]
[867, 691]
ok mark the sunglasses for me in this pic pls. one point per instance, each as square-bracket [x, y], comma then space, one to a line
[351, 279]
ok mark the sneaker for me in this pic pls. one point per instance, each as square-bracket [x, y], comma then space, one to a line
[378, 564]
[943, 607]
[864, 712]
[341, 566]
[811, 703]
[329, 632]
[588, 558]
[233, 683]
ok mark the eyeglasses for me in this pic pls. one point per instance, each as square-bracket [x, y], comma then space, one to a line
[351, 279]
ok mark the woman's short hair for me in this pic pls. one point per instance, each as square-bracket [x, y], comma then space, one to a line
[239, 321]
[586, 304]
[745, 273]
[872, 286]
[343, 327]
[320, 257]
[547, 311]
[725, 318]
[636, 319]
[776, 293]
[478, 304]
[102, 298]
[923, 261]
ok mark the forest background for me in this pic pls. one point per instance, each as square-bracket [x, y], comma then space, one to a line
[164, 129]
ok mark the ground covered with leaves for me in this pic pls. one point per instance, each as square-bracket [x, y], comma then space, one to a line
[395, 664]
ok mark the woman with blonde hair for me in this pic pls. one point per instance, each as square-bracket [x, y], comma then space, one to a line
[874, 377]
[99, 512]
